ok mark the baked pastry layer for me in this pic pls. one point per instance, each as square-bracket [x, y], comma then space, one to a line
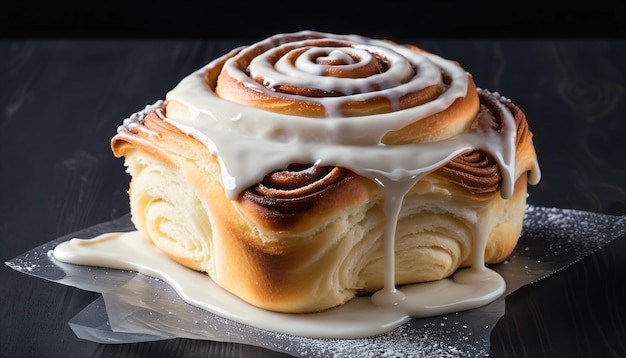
[308, 237]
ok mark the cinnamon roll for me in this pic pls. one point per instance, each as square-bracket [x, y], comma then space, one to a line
[309, 168]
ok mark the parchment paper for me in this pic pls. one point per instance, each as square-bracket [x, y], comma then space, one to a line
[136, 308]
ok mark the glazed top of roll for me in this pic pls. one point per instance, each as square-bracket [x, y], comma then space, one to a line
[382, 110]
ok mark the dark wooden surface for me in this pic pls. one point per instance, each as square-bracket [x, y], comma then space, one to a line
[62, 99]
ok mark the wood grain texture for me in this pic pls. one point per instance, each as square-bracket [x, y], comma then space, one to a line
[62, 99]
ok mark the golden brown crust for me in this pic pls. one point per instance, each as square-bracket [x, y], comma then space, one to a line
[454, 120]
[295, 200]
[477, 171]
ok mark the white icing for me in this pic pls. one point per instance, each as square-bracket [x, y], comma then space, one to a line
[358, 318]
[251, 142]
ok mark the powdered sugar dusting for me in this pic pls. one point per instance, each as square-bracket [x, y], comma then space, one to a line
[430, 339]
[571, 232]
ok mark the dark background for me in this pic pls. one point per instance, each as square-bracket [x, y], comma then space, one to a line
[70, 73]
[259, 19]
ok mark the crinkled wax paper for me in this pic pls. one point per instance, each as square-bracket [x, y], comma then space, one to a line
[135, 308]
